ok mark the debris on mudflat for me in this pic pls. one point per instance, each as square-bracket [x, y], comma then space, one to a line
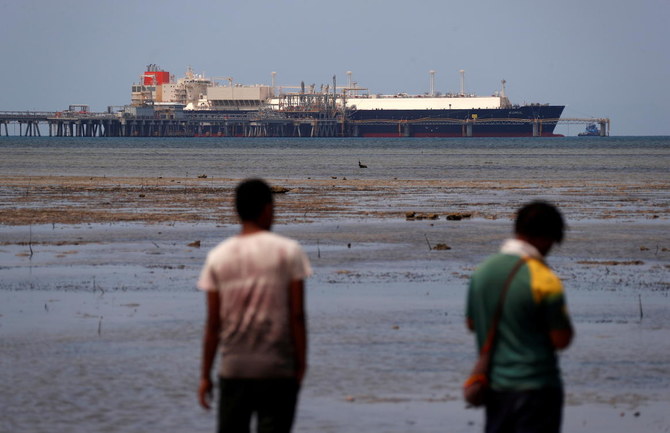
[441, 247]
[279, 190]
[202, 176]
[457, 216]
[194, 244]
[416, 216]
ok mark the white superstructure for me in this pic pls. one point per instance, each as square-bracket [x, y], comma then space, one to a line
[238, 97]
[417, 102]
[197, 92]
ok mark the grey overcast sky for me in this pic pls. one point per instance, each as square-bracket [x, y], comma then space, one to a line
[599, 58]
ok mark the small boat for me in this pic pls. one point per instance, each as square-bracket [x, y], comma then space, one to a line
[591, 131]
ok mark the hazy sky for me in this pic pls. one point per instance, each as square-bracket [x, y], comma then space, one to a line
[599, 58]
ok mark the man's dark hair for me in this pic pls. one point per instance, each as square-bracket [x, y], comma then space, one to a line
[540, 219]
[251, 197]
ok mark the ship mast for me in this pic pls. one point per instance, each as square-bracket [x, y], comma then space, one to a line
[432, 82]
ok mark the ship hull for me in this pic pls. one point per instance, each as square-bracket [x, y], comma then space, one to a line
[526, 121]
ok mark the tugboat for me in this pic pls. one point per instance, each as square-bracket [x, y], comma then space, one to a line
[591, 131]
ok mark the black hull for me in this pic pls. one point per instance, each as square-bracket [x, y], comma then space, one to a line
[526, 121]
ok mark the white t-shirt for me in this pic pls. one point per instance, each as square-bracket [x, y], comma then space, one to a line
[252, 274]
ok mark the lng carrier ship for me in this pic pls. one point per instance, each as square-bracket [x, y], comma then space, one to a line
[226, 108]
[197, 106]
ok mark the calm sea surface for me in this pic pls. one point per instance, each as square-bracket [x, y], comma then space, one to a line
[635, 158]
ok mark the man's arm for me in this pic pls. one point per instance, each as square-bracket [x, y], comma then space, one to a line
[469, 323]
[561, 338]
[209, 345]
[298, 326]
[560, 327]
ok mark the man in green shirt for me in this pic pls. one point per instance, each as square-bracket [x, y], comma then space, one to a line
[526, 389]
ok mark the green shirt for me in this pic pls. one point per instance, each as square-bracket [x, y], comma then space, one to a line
[524, 357]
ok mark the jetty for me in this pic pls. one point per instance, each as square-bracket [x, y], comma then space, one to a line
[78, 121]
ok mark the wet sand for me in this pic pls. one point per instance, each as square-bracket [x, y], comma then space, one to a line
[100, 322]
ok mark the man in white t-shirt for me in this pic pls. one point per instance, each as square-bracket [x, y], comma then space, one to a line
[254, 283]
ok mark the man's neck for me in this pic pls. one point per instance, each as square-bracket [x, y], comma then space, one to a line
[520, 248]
[251, 227]
[542, 244]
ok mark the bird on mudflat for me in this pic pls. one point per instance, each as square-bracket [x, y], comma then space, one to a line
[361, 165]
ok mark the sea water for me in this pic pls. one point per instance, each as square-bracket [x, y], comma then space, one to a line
[635, 158]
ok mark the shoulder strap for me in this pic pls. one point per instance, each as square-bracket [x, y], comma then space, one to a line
[493, 329]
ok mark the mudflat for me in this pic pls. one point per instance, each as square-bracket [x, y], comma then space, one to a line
[100, 321]
[81, 199]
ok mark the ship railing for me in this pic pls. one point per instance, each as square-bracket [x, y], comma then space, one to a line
[29, 115]
[81, 116]
[215, 117]
[508, 120]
